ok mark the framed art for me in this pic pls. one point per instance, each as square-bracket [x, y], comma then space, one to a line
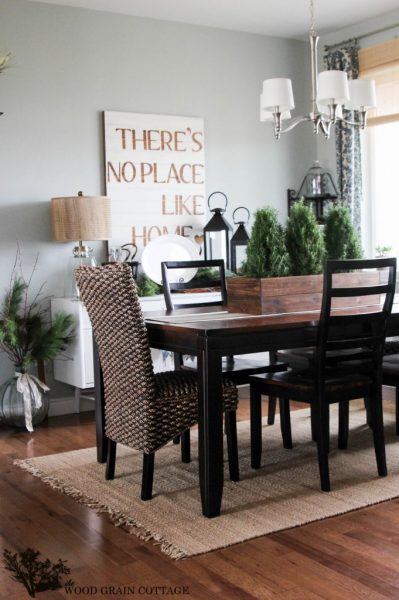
[155, 176]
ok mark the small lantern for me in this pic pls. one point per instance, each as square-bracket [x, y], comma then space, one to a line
[216, 234]
[317, 188]
[239, 241]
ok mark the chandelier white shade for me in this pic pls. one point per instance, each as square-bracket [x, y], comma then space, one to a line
[278, 93]
[331, 92]
[332, 87]
[362, 93]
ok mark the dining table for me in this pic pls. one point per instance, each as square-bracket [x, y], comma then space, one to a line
[211, 334]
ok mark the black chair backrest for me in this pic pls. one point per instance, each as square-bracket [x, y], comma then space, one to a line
[217, 279]
[361, 329]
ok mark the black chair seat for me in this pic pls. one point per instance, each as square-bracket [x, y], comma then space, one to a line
[295, 384]
[390, 369]
[302, 358]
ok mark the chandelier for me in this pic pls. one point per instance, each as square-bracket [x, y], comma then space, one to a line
[331, 91]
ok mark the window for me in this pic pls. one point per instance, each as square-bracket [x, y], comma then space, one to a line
[381, 63]
[384, 187]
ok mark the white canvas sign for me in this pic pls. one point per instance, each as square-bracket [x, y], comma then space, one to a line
[155, 176]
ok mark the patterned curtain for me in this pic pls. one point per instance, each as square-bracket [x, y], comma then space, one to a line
[344, 57]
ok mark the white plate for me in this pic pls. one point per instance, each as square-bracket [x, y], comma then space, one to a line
[169, 247]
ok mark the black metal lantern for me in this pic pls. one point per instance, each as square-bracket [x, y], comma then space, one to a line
[239, 241]
[317, 189]
[216, 234]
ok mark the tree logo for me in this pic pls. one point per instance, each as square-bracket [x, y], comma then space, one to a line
[35, 574]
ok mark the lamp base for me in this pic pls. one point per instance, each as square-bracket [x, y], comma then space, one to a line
[85, 259]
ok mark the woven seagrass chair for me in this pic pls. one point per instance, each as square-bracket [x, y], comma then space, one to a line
[362, 335]
[143, 410]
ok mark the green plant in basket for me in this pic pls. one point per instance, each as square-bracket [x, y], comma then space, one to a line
[27, 336]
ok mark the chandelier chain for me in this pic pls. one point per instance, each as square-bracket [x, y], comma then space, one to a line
[311, 7]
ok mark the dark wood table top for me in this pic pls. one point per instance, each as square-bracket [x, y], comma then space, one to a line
[195, 319]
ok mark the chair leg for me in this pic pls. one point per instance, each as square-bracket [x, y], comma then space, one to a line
[323, 434]
[111, 455]
[313, 423]
[232, 446]
[285, 422]
[368, 412]
[185, 446]
[176, 440]
[230, 361]
[343, 424]
[148, 476]
[397, 409]
[271, 412]
[378, 433]
[256, 427]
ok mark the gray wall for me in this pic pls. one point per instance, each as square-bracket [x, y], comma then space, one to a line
[68, 65]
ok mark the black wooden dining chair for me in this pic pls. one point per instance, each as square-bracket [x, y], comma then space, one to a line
[390, 373]
[143, 410]
[237, 369]
[359, 332]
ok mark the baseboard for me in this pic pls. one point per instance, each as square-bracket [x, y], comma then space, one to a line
[67, 406]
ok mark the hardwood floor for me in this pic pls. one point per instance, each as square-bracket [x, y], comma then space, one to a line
[354, 556]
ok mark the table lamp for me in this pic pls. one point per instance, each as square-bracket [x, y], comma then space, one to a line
[78, 218]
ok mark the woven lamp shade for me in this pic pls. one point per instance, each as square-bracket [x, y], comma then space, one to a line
[81, 218]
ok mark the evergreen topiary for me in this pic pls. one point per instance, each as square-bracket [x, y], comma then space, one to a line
[339, 234]
[304, 241]
[266, 252]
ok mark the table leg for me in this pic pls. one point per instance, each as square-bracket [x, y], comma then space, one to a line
[101, 438]
[210, 428]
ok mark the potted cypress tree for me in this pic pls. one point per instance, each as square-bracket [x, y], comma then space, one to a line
[304, 240]
[340, 237]
[266, 252]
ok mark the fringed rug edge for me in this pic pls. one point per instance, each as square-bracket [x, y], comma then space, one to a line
[118, 518]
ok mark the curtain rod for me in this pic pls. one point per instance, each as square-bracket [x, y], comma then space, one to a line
[364, 35]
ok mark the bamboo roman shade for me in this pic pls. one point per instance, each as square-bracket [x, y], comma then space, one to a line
[381, 63]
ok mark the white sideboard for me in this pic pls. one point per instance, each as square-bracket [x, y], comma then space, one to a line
[75, 367]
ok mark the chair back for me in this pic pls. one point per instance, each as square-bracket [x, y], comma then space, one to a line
[215, 279]
[110, 296]
[358, 330]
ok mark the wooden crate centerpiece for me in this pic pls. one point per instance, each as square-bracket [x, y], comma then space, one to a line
[269, 295]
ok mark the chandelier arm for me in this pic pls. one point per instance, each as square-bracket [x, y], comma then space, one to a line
[294, 122]
[360, 123]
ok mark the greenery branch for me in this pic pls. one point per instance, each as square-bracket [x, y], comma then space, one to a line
[26, 335]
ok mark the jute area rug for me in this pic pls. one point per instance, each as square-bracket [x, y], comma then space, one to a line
[284, 493]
